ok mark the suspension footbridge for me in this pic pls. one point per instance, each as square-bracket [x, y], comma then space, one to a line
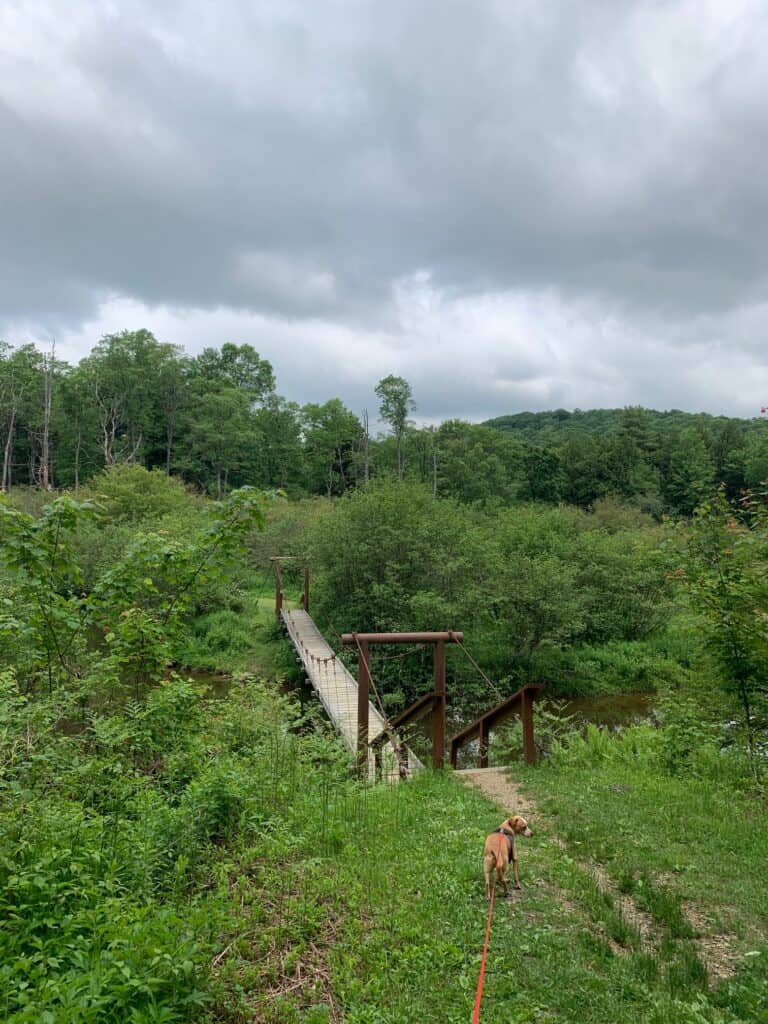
[364, 727]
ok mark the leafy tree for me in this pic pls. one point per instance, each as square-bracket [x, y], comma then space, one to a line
[21, 377]
[391, 556]
[630, 451]
[236, 366]
[475, 463]
[543, 474]
[728, 456]
[396, 403]
[584, 470]
[76, 427]
[689, 474]
[756, 460]
[132, 494]
[277, 459]
[332, 439]
[726, 573]
[125, 373]
[218, 436]
[137, 606]
[173, 397]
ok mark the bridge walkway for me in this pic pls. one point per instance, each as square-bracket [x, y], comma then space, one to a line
[337, 690]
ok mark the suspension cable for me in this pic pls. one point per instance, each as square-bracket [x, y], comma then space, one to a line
[485, 677]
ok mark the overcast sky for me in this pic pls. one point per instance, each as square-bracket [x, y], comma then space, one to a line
[515, 204]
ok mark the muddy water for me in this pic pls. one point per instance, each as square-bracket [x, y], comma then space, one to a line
[613, 710]
[218, 684]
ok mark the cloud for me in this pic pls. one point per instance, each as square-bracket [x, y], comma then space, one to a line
[515, 204]
[473, 357]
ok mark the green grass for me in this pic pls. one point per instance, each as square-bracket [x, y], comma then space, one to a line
[707, 843]
[401, 925]
[217, 863]
[691, 854]
[240, 639]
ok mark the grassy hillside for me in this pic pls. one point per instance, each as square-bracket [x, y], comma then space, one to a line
[621, 917]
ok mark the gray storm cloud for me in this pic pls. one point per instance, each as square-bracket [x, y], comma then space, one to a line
[517, 205]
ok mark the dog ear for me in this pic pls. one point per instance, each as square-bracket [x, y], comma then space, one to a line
[514, 822]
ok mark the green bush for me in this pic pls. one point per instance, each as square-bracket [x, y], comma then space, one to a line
[617, 666]
[110, 840]
[638, 746]
[132, 494]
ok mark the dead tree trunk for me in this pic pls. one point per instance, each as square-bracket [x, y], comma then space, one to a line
[366, 437]
[7, 454]
[45, 451]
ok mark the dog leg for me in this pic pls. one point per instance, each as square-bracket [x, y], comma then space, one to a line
[516, 874]
[504, 872]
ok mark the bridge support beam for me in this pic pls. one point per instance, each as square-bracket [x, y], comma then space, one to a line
[438, 712]
[277, 563]
[363, 690]
[437, 699]
[520, 703]
[278, 587]
[526, 717]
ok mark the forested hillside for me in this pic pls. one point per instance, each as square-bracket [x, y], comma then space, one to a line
[217, 421]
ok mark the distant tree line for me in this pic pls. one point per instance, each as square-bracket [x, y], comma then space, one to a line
[216, 420]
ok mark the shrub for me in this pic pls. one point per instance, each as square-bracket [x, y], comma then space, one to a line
[132, 494]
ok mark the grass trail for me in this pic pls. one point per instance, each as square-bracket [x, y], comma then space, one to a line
[401, 931]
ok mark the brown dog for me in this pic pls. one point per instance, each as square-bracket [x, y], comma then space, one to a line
[496, 853]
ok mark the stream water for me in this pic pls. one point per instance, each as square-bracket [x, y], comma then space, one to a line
[611, 710]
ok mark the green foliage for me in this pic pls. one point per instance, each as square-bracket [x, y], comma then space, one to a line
[136, 607]
[396, 403]
[615, 666]
[552, 729]
[468, 462]
[394, 557]
[725, 574]
[131, 494]
[638, 745]
[109, 847]
[685, 850]
[216, 420]
[332, 438]
[541, 593]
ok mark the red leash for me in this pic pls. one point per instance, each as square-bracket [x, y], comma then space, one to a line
[481, 979]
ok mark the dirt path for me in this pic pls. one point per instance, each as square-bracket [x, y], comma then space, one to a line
[497, 786]
[717, 951]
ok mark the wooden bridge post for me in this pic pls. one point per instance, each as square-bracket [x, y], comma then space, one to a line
[363, 687]
[278, 588]
[305, 594]
[526, 716]
[484, 736]
[438, 712]
[454, 753]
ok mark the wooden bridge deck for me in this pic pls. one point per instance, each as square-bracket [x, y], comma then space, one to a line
[337, 690]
